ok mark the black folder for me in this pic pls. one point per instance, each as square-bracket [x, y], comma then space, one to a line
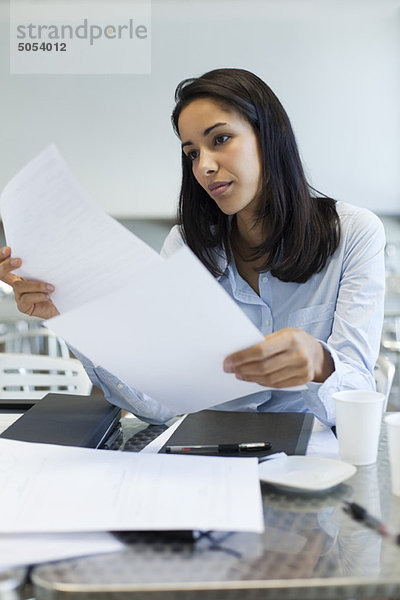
[287, 431]
[66, 419]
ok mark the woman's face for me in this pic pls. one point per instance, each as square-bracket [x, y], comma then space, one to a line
[225, 154]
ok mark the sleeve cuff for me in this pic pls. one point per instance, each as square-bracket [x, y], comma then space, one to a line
[319, 396]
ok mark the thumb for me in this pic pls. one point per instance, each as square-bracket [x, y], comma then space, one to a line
[10, 278]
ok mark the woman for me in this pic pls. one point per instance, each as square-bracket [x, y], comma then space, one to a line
[308, 271]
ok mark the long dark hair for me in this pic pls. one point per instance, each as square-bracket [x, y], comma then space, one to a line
[301, 225]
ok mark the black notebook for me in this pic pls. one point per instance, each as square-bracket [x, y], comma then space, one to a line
[286, 431]
[66, 419]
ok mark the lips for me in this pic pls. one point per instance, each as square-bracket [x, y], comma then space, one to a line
[219, 187]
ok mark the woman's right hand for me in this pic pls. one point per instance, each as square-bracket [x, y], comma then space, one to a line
[32, 297]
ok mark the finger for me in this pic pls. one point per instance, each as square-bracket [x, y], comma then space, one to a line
[270, 346]
[294, 363]
[24, 286]
[266, 367]
[294, 359]
[284, 367]
[5, 251]
[27, 301]
[10, 279]
[249, 355]
[285, 379]
[8, 264]
[273, 344]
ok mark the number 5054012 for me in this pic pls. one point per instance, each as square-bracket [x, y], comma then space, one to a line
[44, 46]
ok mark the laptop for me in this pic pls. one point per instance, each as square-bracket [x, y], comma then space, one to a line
[65, 419]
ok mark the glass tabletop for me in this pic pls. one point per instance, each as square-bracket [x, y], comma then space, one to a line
[310, 548]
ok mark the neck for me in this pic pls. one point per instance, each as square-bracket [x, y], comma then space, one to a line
[248, 236]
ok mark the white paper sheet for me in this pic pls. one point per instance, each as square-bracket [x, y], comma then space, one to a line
[173, 327]
[155, 445]
[64, 238]
[46, 488]
[20, 549]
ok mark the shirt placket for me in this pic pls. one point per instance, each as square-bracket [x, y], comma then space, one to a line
[264, 285]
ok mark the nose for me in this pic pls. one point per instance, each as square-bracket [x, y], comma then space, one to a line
[207, 164]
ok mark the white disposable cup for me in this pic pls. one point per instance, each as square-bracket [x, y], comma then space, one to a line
[393, 430]
[358, 425]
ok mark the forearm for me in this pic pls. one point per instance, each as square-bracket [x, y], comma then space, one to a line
[118, 393]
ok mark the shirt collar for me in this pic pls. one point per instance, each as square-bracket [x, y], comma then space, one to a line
[222, 263]
[221, 255]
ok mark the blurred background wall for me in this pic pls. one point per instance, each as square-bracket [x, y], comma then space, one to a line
[334, 64]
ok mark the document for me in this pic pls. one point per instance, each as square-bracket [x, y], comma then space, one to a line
[64, 238]
[171, 346]
[58, 489]
[20, 549]
[155, 445]
[162, 326]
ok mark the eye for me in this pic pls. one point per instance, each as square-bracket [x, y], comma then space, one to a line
[221, 139]
[192, 155]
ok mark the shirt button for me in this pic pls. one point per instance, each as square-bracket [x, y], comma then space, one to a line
[120, 386]
[267, 322]
[265, 279]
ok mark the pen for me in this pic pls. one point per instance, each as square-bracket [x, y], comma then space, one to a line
[218, 448]
[359, 513]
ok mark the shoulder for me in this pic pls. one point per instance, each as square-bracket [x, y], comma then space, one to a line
[358, 223]
[173, 242]
[362, 237]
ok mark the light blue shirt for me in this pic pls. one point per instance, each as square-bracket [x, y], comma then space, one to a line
[342, 306]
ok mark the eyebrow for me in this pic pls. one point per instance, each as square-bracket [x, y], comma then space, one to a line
[205, 133]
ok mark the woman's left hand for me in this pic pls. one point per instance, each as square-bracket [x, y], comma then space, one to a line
[285, 358]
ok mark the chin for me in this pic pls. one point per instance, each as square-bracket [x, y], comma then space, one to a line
[229, 209]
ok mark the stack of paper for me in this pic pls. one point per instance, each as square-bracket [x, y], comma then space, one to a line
[48, 489]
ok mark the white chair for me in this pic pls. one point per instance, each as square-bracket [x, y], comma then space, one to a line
[384, 371]
[37, 340]
[30, 376]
